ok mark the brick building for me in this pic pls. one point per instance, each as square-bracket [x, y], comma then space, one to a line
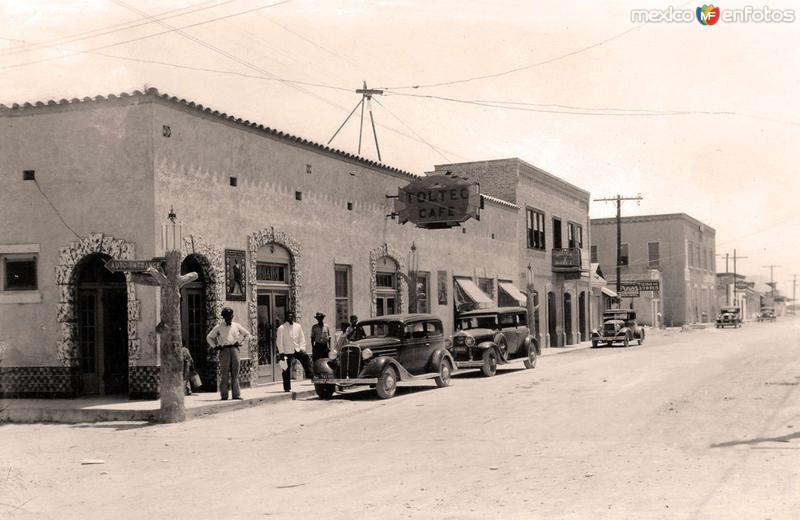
[680, 247]
[553, 235]
[269, 220]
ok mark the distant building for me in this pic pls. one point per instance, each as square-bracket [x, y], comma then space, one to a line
[743, 294]
[553, 237]
[680, 247]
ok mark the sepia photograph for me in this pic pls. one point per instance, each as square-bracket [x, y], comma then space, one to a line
[397, 259]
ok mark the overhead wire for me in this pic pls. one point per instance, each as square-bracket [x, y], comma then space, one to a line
[111, 29]
[431, 146]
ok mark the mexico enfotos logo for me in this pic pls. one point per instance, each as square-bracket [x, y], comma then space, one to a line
[709, 14]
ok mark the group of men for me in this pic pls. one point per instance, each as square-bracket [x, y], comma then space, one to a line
[290, 344]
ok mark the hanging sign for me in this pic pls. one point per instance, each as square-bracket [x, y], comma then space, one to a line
[438, 201]
[133, 266]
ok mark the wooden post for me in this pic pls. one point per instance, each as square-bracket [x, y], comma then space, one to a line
[170, 281]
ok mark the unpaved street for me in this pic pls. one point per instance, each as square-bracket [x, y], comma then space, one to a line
[702, 424]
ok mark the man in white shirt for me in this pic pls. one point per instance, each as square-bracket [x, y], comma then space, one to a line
[290, 343]
[227, 337]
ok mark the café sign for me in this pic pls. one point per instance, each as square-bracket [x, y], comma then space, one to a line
[438, 201]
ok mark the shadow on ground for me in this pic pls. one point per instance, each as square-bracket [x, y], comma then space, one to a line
[758, 440]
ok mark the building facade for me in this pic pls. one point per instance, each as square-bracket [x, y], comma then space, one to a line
[553, 236]
[681, 248]
[270, 222]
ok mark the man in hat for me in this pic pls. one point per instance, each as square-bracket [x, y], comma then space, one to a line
[226, 338]
[320, 338]
[290, 343]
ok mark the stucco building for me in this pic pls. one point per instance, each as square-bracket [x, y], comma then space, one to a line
[270, 221]
[552, 230]
[682, 249]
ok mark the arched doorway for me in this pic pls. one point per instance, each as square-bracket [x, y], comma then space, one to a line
[551, 319]
[272, 281]
[568, 318]
[582, 315]
[102, 327]
[386, 286]
[194, 321]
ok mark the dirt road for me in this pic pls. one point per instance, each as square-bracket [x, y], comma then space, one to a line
[703, 424]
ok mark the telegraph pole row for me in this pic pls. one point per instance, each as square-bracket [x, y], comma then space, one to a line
[771, 268]
[618, 199]
[794, 294]
[727, 293]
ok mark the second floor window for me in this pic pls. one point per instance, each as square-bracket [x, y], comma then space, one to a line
[575, 236]
[623, 254]
[652, 255]
[535, 229]
[594, 254]
[557, 233]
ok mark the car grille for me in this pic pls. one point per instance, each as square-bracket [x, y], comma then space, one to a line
[610, 328]
[462, 354]
[350, 362]
[459, 340]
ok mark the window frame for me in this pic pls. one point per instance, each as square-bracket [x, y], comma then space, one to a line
[626, 247]
[535, 229]
[651, 263]
[15, 257]
[572, 227]
[348, 299]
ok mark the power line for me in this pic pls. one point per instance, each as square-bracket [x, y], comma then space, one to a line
[432, 147]
[518, 69]
[132, 40]
[110, 29]
[58, 214]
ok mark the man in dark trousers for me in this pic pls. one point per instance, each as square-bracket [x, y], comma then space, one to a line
[290, 342]
[227, 337]
[320, 343]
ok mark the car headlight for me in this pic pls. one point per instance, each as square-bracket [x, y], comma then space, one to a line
[366, 354]
[469, 341]
[448, 342]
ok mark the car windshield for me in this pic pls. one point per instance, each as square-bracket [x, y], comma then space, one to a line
[477, 322]
[378, 329]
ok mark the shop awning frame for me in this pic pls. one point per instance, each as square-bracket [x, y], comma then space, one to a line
[470, 290]
[515, 294]
[608, 292]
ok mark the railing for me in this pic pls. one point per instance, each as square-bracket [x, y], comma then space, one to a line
[566, 259]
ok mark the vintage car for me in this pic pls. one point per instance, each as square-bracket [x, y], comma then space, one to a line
[619, 326]
[766, 314]
[486, 338]
[385, 351]
[729, 317]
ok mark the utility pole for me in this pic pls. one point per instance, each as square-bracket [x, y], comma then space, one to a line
[794, 294]
[728, 293]
[618, 199]
[366, 98]
[771, 268]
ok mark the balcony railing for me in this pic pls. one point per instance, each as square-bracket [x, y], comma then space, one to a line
[566, 259]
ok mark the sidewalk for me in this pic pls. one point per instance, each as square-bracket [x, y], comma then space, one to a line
[549, 351]
[120, 408]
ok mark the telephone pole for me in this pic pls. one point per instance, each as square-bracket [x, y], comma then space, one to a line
[618, 199]
[771, 268]
[794, 294]
[366, 99]
[735, 257]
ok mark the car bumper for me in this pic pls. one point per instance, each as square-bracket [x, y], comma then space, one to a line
[469, 364]
[345, 381]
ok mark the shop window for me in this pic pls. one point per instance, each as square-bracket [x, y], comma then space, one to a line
[19, 272]
[487, 286]
[344, 303]
[653, 255]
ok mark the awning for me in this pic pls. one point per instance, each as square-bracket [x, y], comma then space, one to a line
[608, 292]
[515, 294]
[469, 296]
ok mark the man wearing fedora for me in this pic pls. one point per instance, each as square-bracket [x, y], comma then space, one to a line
[226, 338]
[290, 343]
[320, 339]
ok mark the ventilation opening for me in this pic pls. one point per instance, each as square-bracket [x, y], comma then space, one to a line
[234, 181]
[29, 175]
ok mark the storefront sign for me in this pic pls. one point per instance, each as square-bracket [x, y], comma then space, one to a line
[438, 201]
[648, 285]
[566, 258]
[133, 266]
[628, 290]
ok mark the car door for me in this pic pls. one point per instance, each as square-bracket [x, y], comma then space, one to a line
[523, 331]
[414, 347]
[508, 326]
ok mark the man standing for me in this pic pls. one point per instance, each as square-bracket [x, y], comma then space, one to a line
[227, 337]
[320, 338]
[290, 344]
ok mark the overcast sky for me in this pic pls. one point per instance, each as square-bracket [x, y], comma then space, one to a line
[734, 171]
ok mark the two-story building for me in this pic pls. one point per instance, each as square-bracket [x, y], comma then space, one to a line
[682, 249]
[552, 231]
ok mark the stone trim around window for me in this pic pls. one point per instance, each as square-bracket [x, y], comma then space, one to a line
[375, 255]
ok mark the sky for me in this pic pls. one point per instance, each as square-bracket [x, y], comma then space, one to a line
[697, 119]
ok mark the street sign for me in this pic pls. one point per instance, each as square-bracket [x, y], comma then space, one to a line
[438, 201]
[648, 285]
[133, 266]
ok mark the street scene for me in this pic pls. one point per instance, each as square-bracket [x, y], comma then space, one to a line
[701, 424]
[398, 259]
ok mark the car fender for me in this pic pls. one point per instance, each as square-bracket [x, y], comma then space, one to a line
[623, 331]
[375, 366]
[436, 359]
[530, 339]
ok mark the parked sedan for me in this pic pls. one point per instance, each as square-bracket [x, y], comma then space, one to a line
[729, 317]
[487, 338]
[766, 314]
[389, 349]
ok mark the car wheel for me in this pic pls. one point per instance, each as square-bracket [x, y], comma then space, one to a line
[324, 391]
[489, 367]
[530, 361]
[627, 342]
[387, 383]
[641, 340]
[445, 369]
